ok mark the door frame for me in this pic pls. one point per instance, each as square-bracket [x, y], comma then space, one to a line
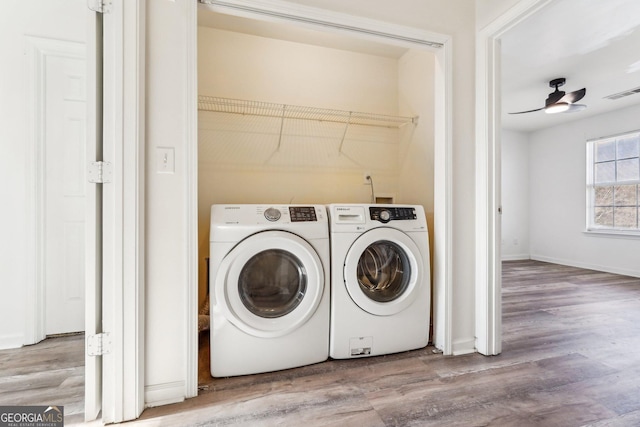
[93, 238]
[275, 11]
[488, 167]
[123, 210]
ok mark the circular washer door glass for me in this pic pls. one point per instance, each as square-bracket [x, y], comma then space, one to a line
[272, 283]
[384, 271]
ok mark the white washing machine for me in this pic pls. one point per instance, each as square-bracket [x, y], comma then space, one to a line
[380, 279]
[269, 281]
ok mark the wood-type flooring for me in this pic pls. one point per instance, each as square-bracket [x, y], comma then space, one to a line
[48, 373]
[571, 357]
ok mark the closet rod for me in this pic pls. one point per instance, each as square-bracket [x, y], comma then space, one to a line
[285, 111]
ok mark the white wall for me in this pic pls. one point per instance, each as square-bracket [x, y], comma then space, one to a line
[243, 66]
[558, 197]
[515, 195]
[488, 10]
[416, 154]
[166, 200]
[64, 20]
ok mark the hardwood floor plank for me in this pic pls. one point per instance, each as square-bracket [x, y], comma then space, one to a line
[571, 357]
[625, 420]
[48, 373]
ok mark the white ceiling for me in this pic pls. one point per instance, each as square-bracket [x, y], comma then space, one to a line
[592, 43]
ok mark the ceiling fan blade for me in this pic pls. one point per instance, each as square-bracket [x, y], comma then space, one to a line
[554, 97]
[574, 108]
[575, 96]
[528, 111]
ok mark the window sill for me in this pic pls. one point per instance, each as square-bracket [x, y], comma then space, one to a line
[618, 234]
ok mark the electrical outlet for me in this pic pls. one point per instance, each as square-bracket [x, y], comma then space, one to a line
[366, 178]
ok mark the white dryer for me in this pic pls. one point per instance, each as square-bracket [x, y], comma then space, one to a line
[269, 279]
[380, 279]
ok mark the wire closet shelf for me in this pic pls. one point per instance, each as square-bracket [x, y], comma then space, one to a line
[285, 111]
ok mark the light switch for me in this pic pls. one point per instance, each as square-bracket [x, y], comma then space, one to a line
[165, 160]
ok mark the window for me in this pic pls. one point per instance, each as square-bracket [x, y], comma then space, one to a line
[613, 184]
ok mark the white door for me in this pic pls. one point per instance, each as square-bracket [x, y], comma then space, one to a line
[61, 80]
[65, 193]
[71, 105]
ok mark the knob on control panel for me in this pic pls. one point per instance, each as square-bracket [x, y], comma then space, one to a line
[272, 214]
[389, 213]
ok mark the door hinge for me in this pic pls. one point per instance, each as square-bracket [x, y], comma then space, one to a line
[99, 344]
[100, 172]
[100, 6]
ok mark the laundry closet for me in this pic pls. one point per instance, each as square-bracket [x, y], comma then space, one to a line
[286, 117]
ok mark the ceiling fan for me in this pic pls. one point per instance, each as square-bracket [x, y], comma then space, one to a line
[560, 102]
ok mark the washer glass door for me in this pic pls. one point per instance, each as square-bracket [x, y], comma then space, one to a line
[383, 271]
[269, 284]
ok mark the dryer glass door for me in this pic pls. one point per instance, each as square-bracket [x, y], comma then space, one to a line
[272, 283]
[383, 271]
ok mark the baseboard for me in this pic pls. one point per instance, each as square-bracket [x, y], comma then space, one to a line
[11, 341]
[164, 394]
[463, 346]
[586, 265]
[516, 257]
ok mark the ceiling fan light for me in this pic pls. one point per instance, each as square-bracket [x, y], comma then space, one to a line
[558, 107]
[574, 108]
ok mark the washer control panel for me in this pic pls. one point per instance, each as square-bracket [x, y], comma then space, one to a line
[385, 214]
[272, 214]
[296, 214]
[302, 213]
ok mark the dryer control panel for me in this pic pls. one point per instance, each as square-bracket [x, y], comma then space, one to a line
[391, 213]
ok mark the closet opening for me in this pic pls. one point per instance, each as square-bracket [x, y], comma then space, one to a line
[292, 115]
